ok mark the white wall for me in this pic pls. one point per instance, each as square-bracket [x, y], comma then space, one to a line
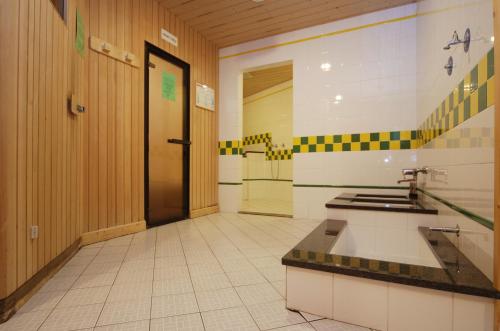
[469, 180]
[374, 71]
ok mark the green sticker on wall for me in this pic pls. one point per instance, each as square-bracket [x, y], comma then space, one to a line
[80, 34]
[168, 86]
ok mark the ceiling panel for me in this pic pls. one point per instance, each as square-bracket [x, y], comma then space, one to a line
[230, 22]
[260, 80]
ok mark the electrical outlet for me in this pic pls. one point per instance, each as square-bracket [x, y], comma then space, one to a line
[34, 231]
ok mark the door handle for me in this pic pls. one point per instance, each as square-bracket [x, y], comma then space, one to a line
[179, 141]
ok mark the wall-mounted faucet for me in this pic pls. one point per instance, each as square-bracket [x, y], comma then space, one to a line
[455, 40]
[455, 230]
[411, 176]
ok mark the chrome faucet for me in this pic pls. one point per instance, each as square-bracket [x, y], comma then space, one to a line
[411, 176]
[455, 230]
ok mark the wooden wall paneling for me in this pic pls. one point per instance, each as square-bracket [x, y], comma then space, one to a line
[127, 176]
[48, 150]
[93, 120]
[9, 30]
[83, 6]
[29, 136]
[35, 146]
[43, 230]
[103, 121]
[76, 174]
[22, 84]
[111, 112]
[140, 109]
[120, 114]
[136, 46]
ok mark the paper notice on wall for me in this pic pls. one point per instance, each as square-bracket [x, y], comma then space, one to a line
[80, 34]
[168, 86]
[205, 97]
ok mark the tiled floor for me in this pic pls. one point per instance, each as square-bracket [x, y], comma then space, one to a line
[267, 206]
[220, 272]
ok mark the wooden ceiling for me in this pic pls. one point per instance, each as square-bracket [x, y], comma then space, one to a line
[260, 80]
[230, 22]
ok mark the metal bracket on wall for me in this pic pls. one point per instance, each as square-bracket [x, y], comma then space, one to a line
[105, 48]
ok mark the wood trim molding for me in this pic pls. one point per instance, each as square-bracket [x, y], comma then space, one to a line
[10, 304]
[113, 232]
[496, 250]
[203, 211]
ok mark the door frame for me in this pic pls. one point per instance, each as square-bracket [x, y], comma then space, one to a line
[152, 49]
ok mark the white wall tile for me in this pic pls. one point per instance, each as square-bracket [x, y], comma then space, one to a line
[309, 291]
[472, 313]
[360, 301]
[417, 309]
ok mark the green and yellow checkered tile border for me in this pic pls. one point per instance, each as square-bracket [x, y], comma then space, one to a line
[280, 154]
[352, 142]
[473, 94]
[265, 138]
[230, 147]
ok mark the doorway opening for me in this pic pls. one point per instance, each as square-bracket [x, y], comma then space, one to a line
[268, 140]
[167, 137]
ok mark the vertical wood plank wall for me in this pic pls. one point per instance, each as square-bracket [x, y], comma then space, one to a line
[74, 174]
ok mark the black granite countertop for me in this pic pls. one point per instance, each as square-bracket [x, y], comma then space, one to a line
[457, 275]
[380, 202]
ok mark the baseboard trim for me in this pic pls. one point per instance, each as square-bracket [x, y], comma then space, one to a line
[203, 211]
[10, 304]
[113, 232]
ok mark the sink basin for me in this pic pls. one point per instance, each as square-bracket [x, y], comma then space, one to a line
[383, 200]
[380, 202]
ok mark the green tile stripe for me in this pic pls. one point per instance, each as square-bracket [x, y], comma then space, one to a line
[472, 95]
[350, 142]
[230, 183]
[266, 179]
[374, 187]
[476, 218]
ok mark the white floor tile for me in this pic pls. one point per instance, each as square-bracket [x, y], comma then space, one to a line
[42, 301]
[245, 277]
[130, 326]
[271, 315]
[129, 292]
[296, 327]
[84, 296]
[172, 286]
[218, 299]
[95, 280]
[171, 272]
[190, 322]
[212, 282]
[329, 325]
[72, 318]
[25, 322]
[171, 305]
[125, 311]
[229, 320]
[258, 293]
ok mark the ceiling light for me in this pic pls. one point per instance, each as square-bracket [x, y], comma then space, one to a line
[339, 97]
[257, 1]
[326, 66]
[492, 39]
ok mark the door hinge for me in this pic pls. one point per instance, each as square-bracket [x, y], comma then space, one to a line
[152, 65]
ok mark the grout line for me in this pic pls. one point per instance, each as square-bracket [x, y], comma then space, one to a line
[153, 280]
[70, 288]
[114, 280]
[189, 273]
